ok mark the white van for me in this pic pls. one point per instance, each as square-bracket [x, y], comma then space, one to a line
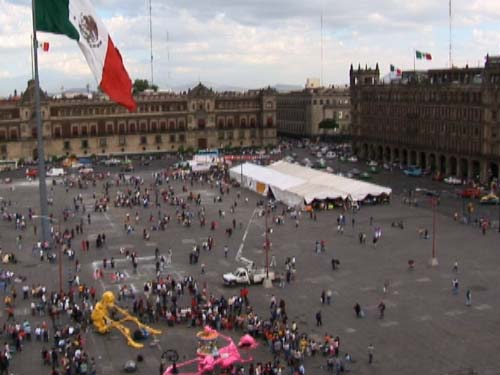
[55, 172]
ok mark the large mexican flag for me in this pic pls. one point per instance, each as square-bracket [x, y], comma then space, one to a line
[77, 20]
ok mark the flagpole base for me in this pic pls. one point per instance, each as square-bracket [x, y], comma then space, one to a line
[267, 283]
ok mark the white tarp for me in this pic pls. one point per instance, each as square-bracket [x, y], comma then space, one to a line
[322, 185]
[261, 179]
[295, 185]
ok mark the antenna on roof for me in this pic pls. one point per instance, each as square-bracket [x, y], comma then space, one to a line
[449, 52]
[151, 40]
[321, 83]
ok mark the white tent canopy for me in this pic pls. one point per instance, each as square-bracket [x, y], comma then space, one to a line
[295, 185]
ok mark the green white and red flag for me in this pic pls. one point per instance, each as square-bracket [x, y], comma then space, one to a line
[423, 55]
[77, 20]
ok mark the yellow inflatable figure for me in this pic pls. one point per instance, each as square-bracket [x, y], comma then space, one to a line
[103, 323]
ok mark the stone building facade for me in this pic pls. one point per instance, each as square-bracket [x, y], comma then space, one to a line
[163, 122]
[299, 113]
[447, 120]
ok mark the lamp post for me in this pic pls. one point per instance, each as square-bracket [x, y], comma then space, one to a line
[59, 255]
[267, 282]
[434, 261]
[172, 356]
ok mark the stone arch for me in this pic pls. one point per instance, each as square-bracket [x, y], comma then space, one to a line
[476, 170]
[396, 156]
[387, 155]
[464, 168]
[365, 150]
[442, 164]
[423, 160]
[405, 157]
[493, 169]
[380, 153]
[413, 157]
[372, 152]
[453, 166]
[432, 162]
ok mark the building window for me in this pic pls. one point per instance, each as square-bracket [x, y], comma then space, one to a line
[270, 121]
[103, 142]
[163, 126]
[121, 129]
[34, 133]
[253, 133]
[252, 122]
[13, 134]
[67, 145]
[84, 131]
[3, 136]
[132, 128]
[144, 140]
[153, 127]
[220, 135]
[85, 143]
[182, 138]
[144, 127]
[109, 128]
[3, 150]
[158, 139]
[241, 134]
[230, 123]
[230, 135]
[201, 123]
[172, 138]
[93, 131]
[181, 124]
[220, 123]
[122, 140]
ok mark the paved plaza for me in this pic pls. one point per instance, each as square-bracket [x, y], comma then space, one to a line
[426, 329]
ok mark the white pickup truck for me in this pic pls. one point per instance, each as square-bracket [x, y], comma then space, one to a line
[247, 276]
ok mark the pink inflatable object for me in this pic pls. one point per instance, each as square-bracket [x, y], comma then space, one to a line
[228, 356]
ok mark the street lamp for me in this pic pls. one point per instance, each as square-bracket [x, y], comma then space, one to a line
[434, 262]
[59, 255]
[267, 282]
[172, 356]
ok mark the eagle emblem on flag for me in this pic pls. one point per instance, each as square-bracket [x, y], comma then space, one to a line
[89, 30]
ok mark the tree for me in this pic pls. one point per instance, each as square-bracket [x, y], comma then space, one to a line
[141, 85]
[329, 123]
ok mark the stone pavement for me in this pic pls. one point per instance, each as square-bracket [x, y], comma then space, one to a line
[426, 329]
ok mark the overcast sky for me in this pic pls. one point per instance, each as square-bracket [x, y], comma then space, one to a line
[255, 43]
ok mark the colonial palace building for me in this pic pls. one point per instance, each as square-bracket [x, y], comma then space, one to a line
[447, 120]
[163, 122]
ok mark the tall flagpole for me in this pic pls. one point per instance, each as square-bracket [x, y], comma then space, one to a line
[44, 210]
[32, 68]
[449, 52]
[321, 83]
[151, 40]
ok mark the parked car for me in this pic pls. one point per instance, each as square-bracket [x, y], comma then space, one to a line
[353, 159]
[470, 193]
[55, 172]
[453, 180]
[31, 172]
[438, 176]
[413, 171]
[490, 199]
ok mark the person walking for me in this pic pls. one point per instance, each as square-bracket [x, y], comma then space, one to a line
[319, 321]
[454, 284]
[371, 349]
[323, 297]
[357, 310]
[455, 267]
[468, 298]
[381, 309]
